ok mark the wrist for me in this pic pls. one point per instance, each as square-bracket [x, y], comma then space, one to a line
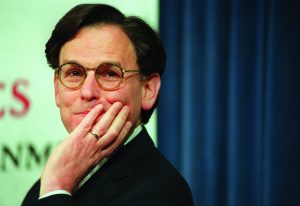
[56, 192]
[48, 186]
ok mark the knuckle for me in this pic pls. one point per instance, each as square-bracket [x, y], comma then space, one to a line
[101, 131]
[109, 150]
[114, 133]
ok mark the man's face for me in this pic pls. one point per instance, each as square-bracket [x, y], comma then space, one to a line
[91, 47]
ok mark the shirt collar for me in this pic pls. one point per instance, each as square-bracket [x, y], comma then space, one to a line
[135, 132]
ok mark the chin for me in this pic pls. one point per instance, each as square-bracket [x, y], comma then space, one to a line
[70, 125]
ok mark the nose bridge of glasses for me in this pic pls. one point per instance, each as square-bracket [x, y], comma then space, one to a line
[94, 75]
[89, 78]
[90, 69]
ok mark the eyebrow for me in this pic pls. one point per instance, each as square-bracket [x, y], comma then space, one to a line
[66, 61]
[112, 62]
[116, 63]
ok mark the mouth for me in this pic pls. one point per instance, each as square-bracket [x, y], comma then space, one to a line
[85, 112]
[82, 114]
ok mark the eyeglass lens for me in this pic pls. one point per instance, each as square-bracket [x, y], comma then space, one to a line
[108, 76]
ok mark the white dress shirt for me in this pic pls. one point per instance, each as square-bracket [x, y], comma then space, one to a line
[135, 132]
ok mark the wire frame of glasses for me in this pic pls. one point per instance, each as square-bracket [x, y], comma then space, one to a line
[109, 76]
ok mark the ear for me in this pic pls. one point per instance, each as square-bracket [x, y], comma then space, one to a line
[150, 91]
[55, 82]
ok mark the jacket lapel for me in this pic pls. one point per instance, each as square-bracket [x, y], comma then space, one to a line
[102, 186]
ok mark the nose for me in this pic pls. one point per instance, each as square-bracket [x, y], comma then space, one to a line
[90, 89]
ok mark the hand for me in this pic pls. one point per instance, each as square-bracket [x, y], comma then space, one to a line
[80, 151]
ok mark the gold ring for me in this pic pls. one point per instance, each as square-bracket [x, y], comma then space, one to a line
[95, 135]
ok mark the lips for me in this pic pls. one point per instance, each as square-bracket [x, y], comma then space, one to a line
[83, 114]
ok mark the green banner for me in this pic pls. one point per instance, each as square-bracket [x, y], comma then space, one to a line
[30, 125]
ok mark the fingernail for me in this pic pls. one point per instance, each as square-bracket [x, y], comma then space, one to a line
[99, 106]
[118, 104]
[126, 108]
[128, 124]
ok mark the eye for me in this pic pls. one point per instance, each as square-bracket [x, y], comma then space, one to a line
[72, 71]
[109, 72]
[75, 72]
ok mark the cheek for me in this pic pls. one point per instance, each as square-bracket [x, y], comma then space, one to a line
[66, 101]
[65, 98]
[117, 96]
[131, 98]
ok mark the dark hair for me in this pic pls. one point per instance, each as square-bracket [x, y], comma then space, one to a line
[150, 52]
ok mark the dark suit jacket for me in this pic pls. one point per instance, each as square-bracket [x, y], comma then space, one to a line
[136, 175]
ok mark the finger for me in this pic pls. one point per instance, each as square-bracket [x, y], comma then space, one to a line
[119, 141]
[115, 128]
[94, 135]
[108, 117]
[86, 124]
[108, 150]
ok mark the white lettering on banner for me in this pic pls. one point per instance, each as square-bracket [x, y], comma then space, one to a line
[18, 96]
[23, 156]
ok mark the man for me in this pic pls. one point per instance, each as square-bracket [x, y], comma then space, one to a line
[107, 80]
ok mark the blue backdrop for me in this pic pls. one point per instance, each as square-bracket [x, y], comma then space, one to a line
[229, 112]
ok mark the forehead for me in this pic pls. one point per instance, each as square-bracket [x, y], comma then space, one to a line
[96, 44]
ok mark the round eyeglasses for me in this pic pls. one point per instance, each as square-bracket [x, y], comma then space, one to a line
[109, 76]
